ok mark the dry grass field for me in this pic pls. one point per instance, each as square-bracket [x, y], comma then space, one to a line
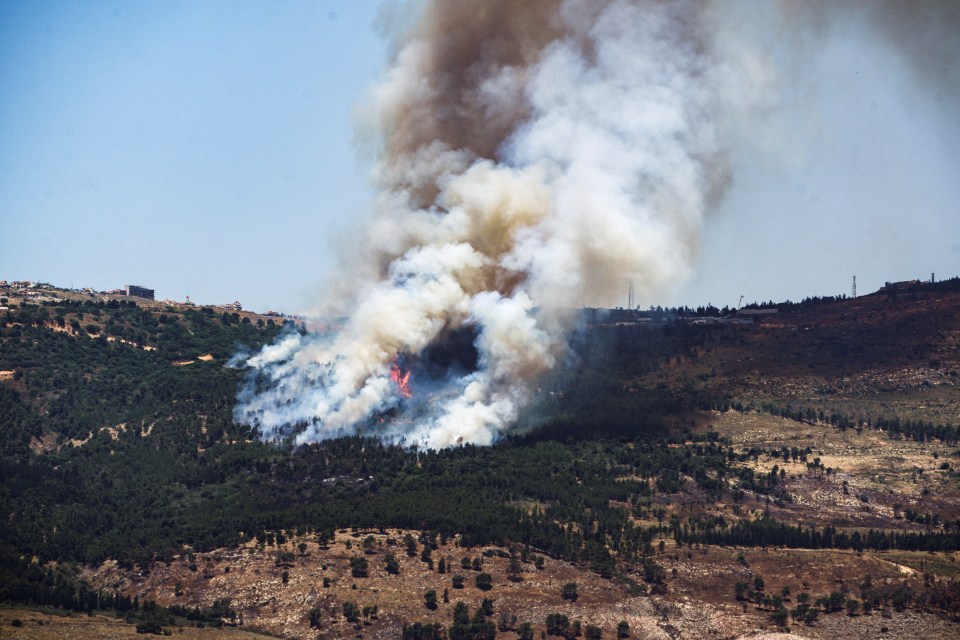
[27, 624]
[699, 602]
[873, 479]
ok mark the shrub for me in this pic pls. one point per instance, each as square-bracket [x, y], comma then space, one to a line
[358, 567]
[484, 582]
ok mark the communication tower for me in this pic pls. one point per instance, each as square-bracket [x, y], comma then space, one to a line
[630, 296]
[854, 292]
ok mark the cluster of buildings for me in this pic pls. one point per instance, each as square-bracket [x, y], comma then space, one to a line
[28, 289]
[19, 285]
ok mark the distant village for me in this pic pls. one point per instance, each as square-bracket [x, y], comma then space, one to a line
[41, 292]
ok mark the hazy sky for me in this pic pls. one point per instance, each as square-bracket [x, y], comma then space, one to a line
[206, 149]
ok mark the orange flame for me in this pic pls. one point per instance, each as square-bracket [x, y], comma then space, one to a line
[401, 379]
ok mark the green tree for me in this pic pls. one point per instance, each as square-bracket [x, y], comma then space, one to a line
[358, 567]
[525, 631]
[514, 569]
[780, 617]
[835, 601]
[411, 545]
[853, 606]
[351, 612]
[741, 588]
[484, 581]
[758, 584]
[570, 592]
[486, 607]
[391, 564]
[557, 624]
[461, 614]
[653, 572]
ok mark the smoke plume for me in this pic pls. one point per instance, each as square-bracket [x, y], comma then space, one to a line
[534, 157]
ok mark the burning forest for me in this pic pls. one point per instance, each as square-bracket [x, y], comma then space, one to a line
[532, 159]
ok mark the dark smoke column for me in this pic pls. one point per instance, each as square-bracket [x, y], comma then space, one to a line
[535, 156]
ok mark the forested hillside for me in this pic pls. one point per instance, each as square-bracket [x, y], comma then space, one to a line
[116, 442]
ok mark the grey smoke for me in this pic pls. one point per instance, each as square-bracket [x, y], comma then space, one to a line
[533, 157]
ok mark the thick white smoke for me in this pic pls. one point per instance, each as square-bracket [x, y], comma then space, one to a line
[535, 157]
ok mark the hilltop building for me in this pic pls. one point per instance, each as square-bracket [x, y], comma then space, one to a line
[139, 292]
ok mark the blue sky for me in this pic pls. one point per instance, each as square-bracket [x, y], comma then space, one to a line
[202, 149]
[856, 173]
[206, 149]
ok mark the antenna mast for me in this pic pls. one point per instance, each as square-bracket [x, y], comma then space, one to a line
[630, 297]
[854, 292]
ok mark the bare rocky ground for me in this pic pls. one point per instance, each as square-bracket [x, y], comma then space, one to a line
[699, 604]
[708, 575]
[252, 579]
[873, 479]
[25, 624]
